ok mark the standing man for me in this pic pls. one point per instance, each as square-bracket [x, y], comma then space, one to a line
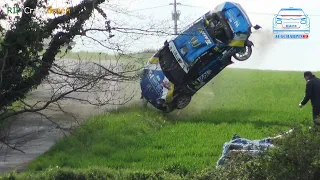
[313, 94]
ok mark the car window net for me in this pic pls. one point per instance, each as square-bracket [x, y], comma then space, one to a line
[216, 30]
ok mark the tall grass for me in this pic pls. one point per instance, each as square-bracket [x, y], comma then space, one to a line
[253, 104]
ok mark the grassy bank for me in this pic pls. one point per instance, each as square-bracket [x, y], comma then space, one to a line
[254, 104]
[137, 57]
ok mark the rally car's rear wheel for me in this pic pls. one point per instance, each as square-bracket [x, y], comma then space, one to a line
[244, 54]
[182, 101]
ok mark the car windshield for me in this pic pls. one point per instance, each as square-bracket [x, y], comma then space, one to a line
[291, 12]
[170, 67]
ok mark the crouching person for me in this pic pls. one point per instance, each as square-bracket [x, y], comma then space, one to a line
[312, 93]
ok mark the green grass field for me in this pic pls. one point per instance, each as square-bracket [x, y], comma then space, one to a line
[82, 55]
[254, 104]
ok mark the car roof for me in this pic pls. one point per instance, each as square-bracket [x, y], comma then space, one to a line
[291, 9]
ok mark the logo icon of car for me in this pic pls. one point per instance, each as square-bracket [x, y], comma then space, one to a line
[291, 20]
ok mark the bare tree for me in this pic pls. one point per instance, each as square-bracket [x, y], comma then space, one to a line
[25, 65]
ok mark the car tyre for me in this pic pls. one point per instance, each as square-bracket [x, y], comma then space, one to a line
[244, 54]
[182, 101]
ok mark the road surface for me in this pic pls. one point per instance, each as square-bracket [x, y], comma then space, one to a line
[34, 134]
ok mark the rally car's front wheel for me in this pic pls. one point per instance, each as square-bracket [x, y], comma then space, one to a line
[244, 54]
[182, 101]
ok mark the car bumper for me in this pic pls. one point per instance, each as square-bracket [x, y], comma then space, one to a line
[291, 27]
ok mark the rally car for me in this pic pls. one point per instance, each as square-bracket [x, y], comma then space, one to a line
[190, 60]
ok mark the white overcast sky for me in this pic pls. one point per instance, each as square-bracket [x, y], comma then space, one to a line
[268, 52]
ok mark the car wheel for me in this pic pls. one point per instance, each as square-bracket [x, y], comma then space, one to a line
[182, 101]
[244, 54]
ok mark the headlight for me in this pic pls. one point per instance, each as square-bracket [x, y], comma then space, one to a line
[279, 21]
[303, 21]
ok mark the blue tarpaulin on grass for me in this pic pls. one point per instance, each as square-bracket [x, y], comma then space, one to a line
[253, 147]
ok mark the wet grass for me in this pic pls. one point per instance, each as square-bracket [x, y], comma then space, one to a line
[253, 104]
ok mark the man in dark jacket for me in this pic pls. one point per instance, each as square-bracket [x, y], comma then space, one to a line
[313, 94]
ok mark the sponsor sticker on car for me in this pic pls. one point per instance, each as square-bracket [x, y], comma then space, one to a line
[204, 75]
[155, 83]
[206, 37]
[177, 56]
[233, 18]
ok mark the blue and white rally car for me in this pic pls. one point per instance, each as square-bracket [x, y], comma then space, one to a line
[190, 60]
